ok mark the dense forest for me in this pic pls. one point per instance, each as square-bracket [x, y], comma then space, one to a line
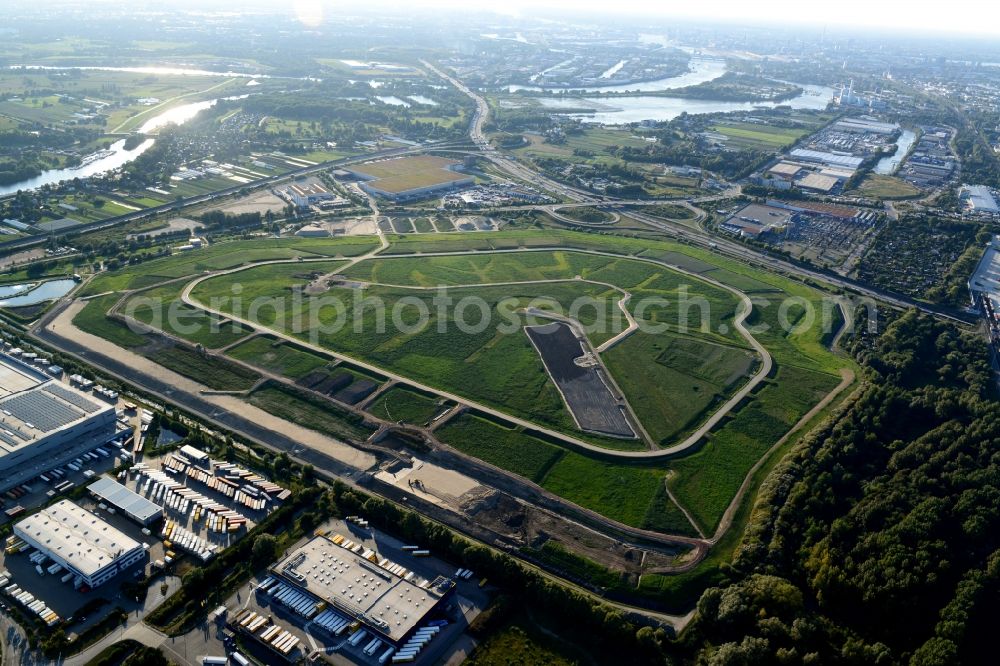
[878, 540]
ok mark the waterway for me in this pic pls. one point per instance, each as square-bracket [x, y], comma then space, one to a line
[393, 101]
[116, 155]
[9, 290]
[888, 165]
[614, 69]
[621, 110]
[420, 99]
[113, 157]
[701, 70]
[21, 295]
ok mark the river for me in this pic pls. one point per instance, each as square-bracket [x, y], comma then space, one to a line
[701, 70]
[888, 165]
[115, 156]
[100, 162]
[621, 110]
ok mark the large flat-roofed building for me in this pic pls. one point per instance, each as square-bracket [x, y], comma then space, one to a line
[865, 125]
[304, 195]
[410, 178]
[132, 504]
[361, 586]
[784, 170]
[984, 288]
[754, 219]
[80, 542]
[44, 422]
[985, 282]
[979, 199]
[825, 158]
[818, 183]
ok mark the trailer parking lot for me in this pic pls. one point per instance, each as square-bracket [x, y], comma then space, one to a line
[273, 615]
[59, 593]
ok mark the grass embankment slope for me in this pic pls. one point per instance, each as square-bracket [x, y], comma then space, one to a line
[703, 360]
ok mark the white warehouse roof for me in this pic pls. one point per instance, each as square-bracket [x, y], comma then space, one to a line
[77, 536]
[830, 159]
[132, 504]
[981, 200]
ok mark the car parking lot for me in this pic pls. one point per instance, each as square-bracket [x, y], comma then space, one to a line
[52, 481]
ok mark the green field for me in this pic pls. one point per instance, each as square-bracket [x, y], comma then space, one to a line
[404, 404]
[632, 494]
[279, 357]
[522, 644]
[162, 308]
[504, 447]
[499, 368]
[687, 377]
[758, 136]
[707, 480]
[673, 378]
[93, 319]
[672, 386]
[213, 372]
[220, 256]
[297, 406]
[886, 187]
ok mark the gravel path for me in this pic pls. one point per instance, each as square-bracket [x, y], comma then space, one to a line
[145, 372]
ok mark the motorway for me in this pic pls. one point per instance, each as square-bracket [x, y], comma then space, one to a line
[503, 162]
[576, 198]
[581, 198]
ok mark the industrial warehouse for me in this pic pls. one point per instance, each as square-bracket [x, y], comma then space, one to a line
[335, 582]
[410, 178]
[44, 422]
[131, 504]
[79, 542]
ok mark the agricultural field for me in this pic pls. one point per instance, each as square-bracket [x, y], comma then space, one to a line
[758, 136]
[105, 94]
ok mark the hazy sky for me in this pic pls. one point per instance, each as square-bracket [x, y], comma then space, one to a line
[966, 16]
[928, 16]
